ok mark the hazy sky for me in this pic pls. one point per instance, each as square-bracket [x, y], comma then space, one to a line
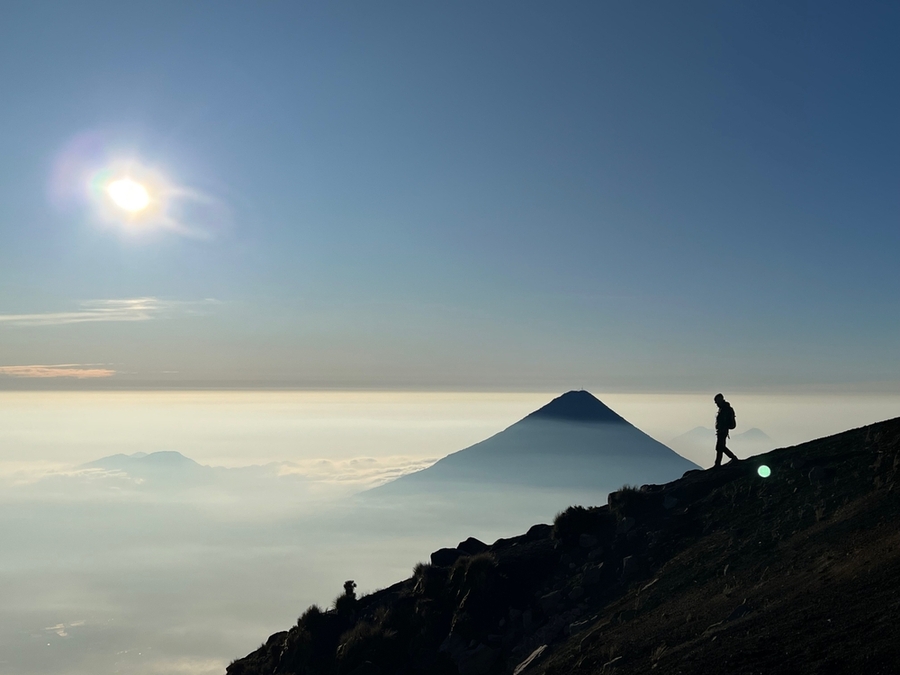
[657, 196]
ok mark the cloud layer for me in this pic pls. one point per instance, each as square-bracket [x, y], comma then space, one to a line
[77, 371]
[129, 309]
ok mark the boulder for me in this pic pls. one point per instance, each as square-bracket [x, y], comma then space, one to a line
[540, 531]
[445, 557]
[472, 546]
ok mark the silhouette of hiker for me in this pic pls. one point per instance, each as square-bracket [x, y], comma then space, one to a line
[725, 422]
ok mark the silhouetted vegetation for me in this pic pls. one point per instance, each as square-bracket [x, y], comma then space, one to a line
[631, 501]
[345, 604]
[569, 525]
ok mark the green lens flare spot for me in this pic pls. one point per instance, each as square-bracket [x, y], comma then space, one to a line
[764, 471]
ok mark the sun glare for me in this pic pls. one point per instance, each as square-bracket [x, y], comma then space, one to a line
[128, 194]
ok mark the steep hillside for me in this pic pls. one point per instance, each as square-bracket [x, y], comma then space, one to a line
[720, 571]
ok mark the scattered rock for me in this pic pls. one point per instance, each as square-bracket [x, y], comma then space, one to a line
[654, 581]
[713, 628]
[576, 594]
[612, 663]
[670, 502]
[593, 636]
[533, 659]
[591, 575]
[548, 603]
[596, 554]
[578, 626]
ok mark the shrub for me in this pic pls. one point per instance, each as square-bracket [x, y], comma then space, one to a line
[311, 618]
[345, 604]
[472, 571]
[630, 501]
[572, 523]
[431, 581]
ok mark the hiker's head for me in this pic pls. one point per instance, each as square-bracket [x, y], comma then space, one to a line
[719, 399]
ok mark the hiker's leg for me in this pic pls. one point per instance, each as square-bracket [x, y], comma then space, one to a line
[720, 448]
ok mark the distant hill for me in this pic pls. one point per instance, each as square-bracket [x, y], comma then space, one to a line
[165, 470]
[168, 470]
[573, 442]
[719, 571]
[141, 462]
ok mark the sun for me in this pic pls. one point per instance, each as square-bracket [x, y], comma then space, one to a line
[128, 194]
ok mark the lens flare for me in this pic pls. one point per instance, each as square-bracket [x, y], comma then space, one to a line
[120, 190]
[764, 471]
[128, 194]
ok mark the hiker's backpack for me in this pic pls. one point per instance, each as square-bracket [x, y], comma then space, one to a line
[730, 417]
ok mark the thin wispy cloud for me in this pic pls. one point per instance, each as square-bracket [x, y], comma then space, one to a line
[129, 309]
[77, 371]
[60, 628]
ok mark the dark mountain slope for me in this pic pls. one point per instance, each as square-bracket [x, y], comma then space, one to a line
[719, 571]
[573, 442]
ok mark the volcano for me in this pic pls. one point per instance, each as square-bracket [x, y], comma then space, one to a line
[573, 442]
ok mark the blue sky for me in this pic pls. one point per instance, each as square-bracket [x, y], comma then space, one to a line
[502, 196]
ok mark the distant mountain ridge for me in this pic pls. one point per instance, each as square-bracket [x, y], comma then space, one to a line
[575, 441]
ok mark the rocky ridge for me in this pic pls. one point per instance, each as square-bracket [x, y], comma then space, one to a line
[721, 570]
